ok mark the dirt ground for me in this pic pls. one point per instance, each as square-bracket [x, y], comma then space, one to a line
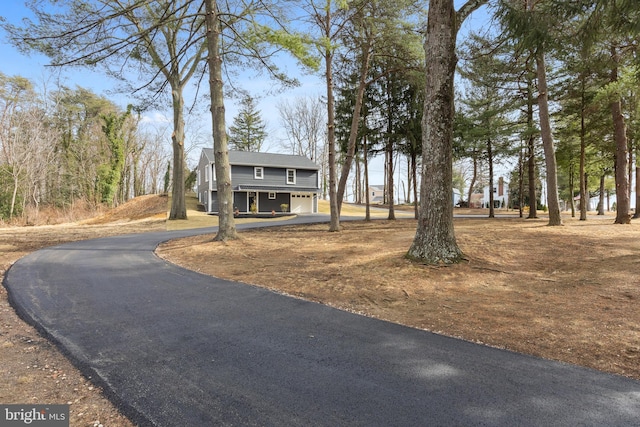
[32, 370]
[566, 293]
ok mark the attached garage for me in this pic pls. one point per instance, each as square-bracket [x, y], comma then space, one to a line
[302, 203]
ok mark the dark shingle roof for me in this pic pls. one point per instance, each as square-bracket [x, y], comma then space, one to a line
[248, 158]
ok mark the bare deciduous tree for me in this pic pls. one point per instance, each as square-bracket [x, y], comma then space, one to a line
[304, 121]
[26, 143]
[159, 40]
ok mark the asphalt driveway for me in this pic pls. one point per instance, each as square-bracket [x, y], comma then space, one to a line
[172, 347]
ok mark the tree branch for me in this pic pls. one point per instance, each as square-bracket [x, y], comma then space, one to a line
[467, 9]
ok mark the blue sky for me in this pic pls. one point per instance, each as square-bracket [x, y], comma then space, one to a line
[34, 67]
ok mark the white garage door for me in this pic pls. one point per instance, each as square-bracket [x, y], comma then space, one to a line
[301, 203]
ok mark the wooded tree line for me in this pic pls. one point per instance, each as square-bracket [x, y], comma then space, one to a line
[592, 72]
[65, 145]
[541, 85]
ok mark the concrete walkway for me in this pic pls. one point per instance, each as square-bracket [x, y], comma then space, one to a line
[172, 347]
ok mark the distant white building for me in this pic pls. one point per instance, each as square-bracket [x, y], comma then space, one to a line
[376, 194]
[456, 197]
[608, 201]
[500, 194]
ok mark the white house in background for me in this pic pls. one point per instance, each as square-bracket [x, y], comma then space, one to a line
[608, 200]
[457, 197]
[262, 182]
[376, 194]
[500, 194]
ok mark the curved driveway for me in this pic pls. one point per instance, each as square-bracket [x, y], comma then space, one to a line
[176, 348]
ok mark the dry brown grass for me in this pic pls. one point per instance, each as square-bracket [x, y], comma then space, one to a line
[33, 370]
[569, 293]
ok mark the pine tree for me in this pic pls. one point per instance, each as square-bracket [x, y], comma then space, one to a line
[248, 131]
[435, 241]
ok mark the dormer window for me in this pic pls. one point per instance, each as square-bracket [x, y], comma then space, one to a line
[258, 172]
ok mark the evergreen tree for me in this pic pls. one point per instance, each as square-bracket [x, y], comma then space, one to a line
[488, 129]
[538, 28]
[582, 125]
[493, 95]
[248, 131]
[435, 241]
[613, 26]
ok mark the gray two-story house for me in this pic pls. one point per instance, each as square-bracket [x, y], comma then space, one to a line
[262, 182]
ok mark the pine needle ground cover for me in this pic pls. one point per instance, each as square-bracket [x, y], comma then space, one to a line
[566, 293]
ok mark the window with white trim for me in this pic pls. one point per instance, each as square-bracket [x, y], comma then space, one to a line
[258, 172]
[272, 195]
[291, 176]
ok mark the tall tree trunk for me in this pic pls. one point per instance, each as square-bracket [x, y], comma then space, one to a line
[435, 240]
[355, 122]
[492, 210]
[334, 224]
[553, 202]
[630, 164]
[521, 183]
[14, 196]
[572, 190]
[414, 173]
[389, 148]
[474, 177]
[531, 161]
[367, 197]
[390, 182]
[601, 198]
[178, 203]
[385, 194]
[409, 181]
[226, 222]
[621, 163]
[621, 158]
[636, 215]
[356, 183]
[584, 196]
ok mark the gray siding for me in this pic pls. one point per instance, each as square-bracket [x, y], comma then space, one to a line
[203, 183]
[273, 177]
[214, 202]
[267, 205]
[204, 199]
[203, 163]
[243, 175]
[240, 201]
[306, 178]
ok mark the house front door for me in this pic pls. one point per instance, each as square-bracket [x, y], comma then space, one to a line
[253, 202]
